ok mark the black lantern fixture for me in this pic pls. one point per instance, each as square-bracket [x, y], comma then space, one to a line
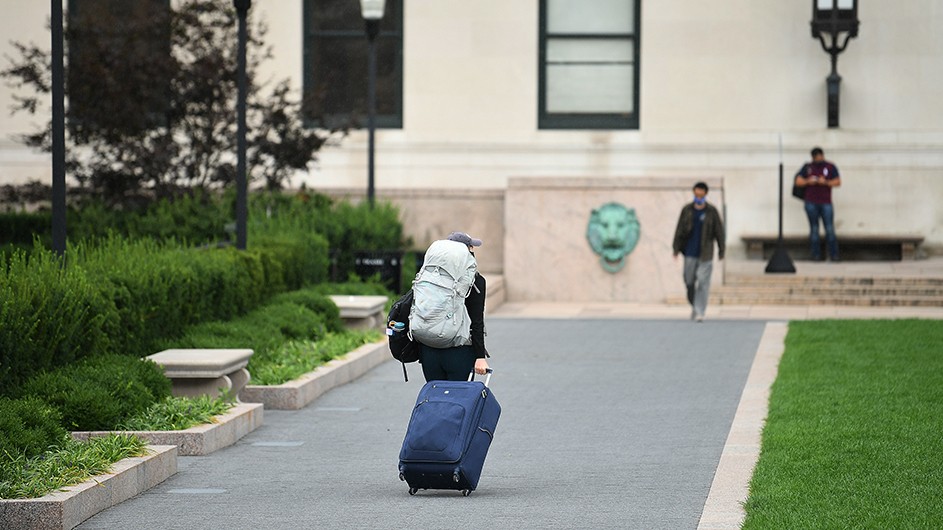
[372, 11]
[834, 23]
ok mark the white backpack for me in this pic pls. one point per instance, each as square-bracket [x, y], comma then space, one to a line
[438, 317]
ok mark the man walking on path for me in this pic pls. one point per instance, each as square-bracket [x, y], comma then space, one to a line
[698, 227]
[818, 178]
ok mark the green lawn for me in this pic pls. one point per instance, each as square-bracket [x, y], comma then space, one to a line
[854, 437]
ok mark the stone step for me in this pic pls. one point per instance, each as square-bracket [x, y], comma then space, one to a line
[833, 290]
[745, 279]
[875, 301]
[815, 301]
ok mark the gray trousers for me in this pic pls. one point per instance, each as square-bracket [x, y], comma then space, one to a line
[697, 278]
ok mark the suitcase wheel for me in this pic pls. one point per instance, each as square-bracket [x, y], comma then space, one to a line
[402, 477]
[412, 491]
[466, 493]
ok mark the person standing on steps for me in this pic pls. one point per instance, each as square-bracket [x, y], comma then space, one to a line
[699, 226]
[818, 177]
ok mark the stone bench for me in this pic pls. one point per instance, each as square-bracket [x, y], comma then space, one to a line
[865, 248]
[214, 372]
[361, 312]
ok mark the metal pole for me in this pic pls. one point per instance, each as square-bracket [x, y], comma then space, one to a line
[242, 7]
[58, 132]
[780, 261]
[780, 240]
[371, 105]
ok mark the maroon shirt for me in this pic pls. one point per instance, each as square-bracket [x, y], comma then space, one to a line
[814, 193]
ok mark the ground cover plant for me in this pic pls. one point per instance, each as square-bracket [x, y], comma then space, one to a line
[178, 413]
[67, 464]
[854, 430]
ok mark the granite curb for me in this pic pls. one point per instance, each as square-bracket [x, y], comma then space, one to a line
[68, 507]
[298, 393]
[724, 507]
[203, 439]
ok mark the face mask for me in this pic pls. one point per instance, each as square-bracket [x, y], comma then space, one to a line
[699, 201]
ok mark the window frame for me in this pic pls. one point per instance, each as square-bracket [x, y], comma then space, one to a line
[573, 120]
[383, 121]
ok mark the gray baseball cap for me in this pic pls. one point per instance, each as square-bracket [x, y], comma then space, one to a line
[462, 237]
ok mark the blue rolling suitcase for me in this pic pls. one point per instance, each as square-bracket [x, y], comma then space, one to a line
[448, 436]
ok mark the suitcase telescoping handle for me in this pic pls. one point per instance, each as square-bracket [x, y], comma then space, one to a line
[488, 372]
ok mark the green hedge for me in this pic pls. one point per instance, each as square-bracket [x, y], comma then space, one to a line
[347, 227]
[50, 316]
[121, 296]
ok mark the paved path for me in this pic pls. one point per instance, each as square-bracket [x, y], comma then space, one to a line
[607, 423]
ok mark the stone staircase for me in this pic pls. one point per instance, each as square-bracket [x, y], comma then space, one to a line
[875, 291]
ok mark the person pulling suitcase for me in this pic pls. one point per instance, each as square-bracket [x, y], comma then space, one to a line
[447, 316]
[454, 419]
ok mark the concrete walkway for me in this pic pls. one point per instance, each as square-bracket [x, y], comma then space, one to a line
[607, 423]
[615, 416]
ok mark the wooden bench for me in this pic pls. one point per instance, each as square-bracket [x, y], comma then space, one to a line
[852, 248]
[361, 312]
[214, 372]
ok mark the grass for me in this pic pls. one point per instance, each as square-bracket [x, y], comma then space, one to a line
[177, 414]
[854, 433]
[72, 463]
[295, 358]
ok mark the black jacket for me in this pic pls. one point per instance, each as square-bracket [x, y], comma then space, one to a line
[475, 303]
[713, 230]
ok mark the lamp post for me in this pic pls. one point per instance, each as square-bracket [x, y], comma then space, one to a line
[372, 11]
[834, 21]
[242, 209]
[58, 131]
[780, 261]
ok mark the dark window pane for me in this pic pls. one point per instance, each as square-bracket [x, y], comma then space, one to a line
[119, 54]
[335, 87]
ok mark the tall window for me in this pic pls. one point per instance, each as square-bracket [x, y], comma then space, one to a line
[335, 64]
[589, 64]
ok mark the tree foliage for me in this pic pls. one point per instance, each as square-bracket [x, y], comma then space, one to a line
[151, 104]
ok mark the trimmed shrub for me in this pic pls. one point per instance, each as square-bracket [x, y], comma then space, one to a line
[128, 296]
[347, 227]
[261, 330]
[28, 427]
[319, 303]
[101, 392]
[291, 320]
[49, 316]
